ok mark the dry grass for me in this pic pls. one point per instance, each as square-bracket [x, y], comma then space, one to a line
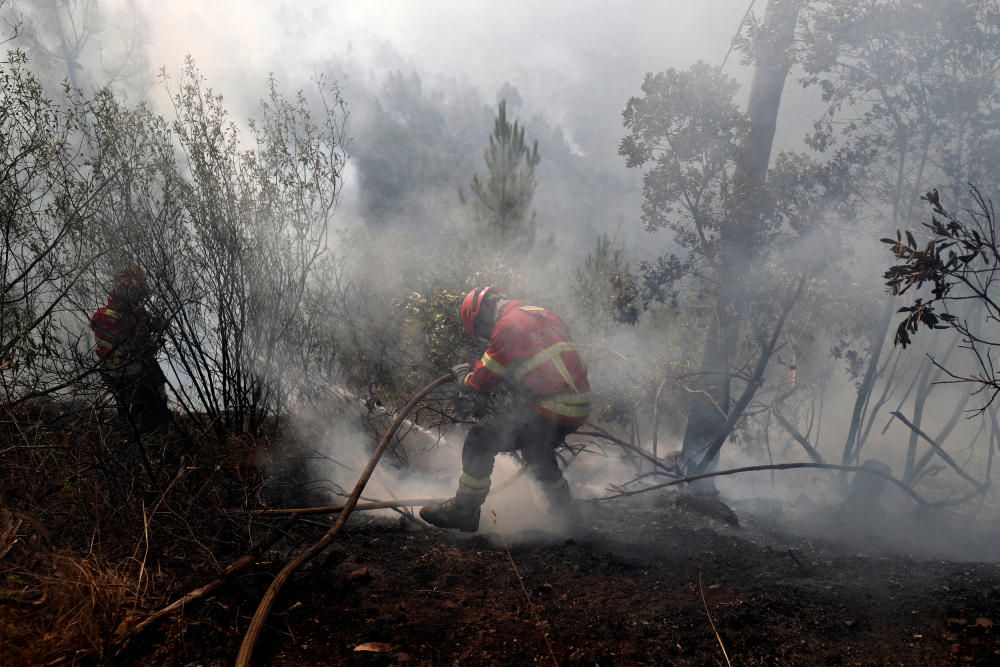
[87, 546]
[63, 608]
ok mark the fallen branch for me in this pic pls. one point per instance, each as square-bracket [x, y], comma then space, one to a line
[373, 505]
[333, 509]
[264, 609]
[127, 631]
[921, 502]
[943, 454]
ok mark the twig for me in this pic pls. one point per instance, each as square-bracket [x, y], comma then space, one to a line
[146, 521]
[798, 437]
[601, 433]
[767, 349]
[145, 554]
[701, 589]
[507, 483]
[527, 595]
[656, 417]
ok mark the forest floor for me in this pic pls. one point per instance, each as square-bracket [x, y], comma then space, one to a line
[633, 589]
[647, 580]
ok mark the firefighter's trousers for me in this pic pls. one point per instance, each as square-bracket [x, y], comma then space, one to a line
[522, 430]
[141, 396]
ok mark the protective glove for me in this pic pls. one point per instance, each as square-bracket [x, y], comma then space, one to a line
[460, 371]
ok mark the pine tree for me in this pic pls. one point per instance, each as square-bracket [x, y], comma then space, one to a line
[501, 205]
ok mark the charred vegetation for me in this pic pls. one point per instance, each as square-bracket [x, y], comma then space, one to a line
[228, 335]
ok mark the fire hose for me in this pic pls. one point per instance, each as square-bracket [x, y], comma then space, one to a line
[263, 610]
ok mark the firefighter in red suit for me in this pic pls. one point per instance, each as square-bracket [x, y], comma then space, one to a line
[530, 350]
[127, 337]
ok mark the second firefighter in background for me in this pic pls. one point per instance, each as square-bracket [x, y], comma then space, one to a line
[128, 339]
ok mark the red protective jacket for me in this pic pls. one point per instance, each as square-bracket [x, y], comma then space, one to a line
[124, 338]
[532, 349]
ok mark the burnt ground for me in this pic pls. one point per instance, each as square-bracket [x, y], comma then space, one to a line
[626, 592]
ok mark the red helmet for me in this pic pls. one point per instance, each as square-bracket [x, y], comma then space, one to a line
[473, 303]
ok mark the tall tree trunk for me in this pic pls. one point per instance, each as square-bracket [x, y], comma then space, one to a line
[709, 411]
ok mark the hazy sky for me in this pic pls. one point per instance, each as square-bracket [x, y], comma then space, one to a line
[561, 54]
[486, 41]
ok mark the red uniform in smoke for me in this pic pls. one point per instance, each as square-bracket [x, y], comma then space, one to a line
[532, 352]
[533, 349]
[126, 336]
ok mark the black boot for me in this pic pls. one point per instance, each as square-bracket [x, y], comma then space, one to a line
[461, 513]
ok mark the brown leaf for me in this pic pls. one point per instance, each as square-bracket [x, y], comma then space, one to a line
[375, 647]
[984, 622]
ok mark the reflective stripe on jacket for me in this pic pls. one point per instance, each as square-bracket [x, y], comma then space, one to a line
[532, 349]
